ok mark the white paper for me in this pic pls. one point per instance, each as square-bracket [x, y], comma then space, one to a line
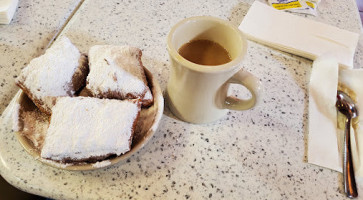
[326, 132]
[297, 35]
[322, 141]
[7, 10]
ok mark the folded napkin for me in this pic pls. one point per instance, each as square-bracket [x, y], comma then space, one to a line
[326, 125]
[297, 35]
[7, 10]
[323, 140]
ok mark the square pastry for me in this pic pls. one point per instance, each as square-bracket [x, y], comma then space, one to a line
[116, 72]
[61, 71]
[86, 129]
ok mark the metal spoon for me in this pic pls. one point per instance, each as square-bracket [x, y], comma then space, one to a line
[346, 106]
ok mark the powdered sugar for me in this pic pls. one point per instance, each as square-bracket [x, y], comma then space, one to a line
[40, 130]
[101, 164]
[35, 126]
[51, 73]
[82, 127]
[115, 69]
[56, 164]
[15, 117]
[148, 95]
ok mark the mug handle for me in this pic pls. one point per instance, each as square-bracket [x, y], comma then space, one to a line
[249, 81]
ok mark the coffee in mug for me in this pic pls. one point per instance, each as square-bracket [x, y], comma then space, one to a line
[205, 52]
[206, 55]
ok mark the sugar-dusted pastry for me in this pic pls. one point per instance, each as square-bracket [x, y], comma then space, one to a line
[117, 72]
[89, 129]
[61, 71]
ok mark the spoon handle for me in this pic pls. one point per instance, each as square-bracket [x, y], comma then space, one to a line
[348, 171]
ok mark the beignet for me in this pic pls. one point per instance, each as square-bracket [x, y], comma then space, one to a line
[86, 129]
[60, 71]
[116, 72]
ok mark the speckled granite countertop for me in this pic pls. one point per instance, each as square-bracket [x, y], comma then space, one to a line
[254, 154]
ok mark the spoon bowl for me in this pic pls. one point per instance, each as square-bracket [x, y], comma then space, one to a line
[346, 105]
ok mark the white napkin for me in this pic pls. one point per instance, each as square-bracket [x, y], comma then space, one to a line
[7, 10]
[322, 140]
[297, 35]
[325, 140]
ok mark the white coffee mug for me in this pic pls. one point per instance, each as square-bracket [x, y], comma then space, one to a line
[198, 93]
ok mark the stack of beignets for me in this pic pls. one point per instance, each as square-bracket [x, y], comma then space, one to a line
[85, 128]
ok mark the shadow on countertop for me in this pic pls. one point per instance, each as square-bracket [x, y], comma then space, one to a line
[9, 192]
